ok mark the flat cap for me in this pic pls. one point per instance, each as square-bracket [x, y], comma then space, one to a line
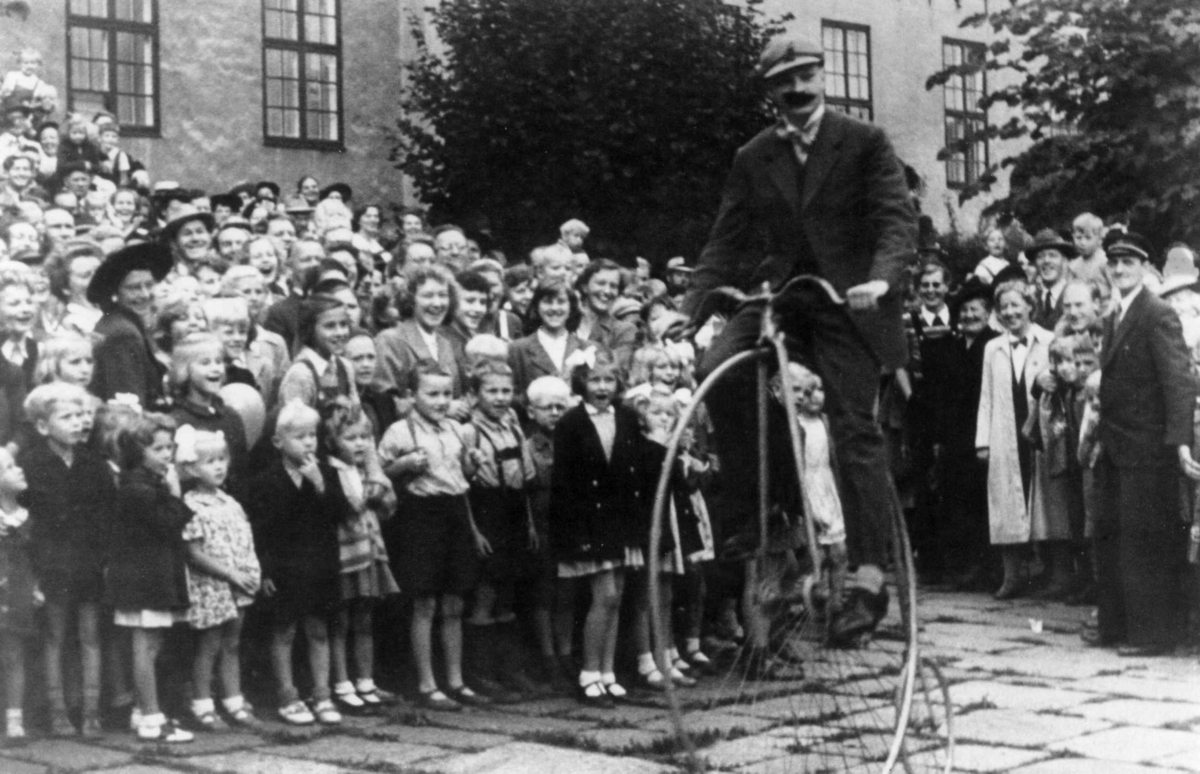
[786, 52]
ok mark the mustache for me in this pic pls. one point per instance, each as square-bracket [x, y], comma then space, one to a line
[797, 99]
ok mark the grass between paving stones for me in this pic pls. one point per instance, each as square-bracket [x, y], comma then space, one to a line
[368, 764]
[975, 706]
[560, 738]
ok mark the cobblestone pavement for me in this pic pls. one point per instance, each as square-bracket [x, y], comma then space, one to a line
[1029, 698]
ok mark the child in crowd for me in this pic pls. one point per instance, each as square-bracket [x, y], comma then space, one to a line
[519, 284]
[116, 166]
[295, 507]
[17, 590]
[366, 576]
[147, 571]
[500, 508]
[65, 357]
[70, 500]
[77, 146]
[229, 319]
[196, 377]
[320, 373]
[595, 514]
[1057, 496]
[434, 541]
[25, 86]
[223, 574]
[819, 486]
[659, 413]
[548, 398]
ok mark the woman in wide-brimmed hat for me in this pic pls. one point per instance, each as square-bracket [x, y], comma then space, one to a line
[123, 288]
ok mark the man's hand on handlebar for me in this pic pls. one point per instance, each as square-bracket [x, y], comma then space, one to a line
[867, 295]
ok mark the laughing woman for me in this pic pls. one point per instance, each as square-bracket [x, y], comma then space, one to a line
[598, 286]
[190, 237]
[18, 313]
[429, 303]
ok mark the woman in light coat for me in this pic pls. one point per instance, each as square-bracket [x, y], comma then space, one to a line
[1011, 364]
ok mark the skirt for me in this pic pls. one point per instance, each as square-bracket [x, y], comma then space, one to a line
[370, 582]
[431, 546]
[584, 567]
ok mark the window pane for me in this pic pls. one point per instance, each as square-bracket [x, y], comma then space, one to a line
[97, 8]
[134, 10]
[88, 103]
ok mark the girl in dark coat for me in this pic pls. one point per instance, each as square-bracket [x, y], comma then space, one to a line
[595, 516]
[147, 571]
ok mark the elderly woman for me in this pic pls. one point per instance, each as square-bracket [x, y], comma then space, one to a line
[123, 288]
[598, 286]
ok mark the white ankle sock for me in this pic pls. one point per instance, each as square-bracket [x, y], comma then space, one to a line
[201, 706]
[587, 678]
[233, 703]
[645, 663]
[364, 685]
[692, 644]
[343, 687]
[154, 720]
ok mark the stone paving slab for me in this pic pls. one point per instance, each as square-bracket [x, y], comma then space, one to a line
[1132, 745]
[1123, 685]
[136, 768]
[440, 737]
[355, 752]
[1185, 761]
[14, 766]
[512, 725]
[633, 715]
[717, 722]
[979, 758]
[1086, 766]
[225, 741]
[804, 762]
[1139, 712]
[523, 758]
[1045, 665]
[748, 749]
[1015, 728]
[1009, 696]
[67, 755]
[258, 763]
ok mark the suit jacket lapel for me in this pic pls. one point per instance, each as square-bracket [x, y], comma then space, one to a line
[822, 155]
[1136, 308]
[414, 339]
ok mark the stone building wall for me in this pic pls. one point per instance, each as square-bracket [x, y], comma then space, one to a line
[211, 114]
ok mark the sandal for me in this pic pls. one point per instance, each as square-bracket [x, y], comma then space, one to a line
[350, 700]
[437, 701]
[326, 712]
[167, 733]
[297, 713]
[208, 721]
[681, 679]
[242, 716]
[654, 680]
[594, 695]
[700, 662]
[616, 690]
[465, 696]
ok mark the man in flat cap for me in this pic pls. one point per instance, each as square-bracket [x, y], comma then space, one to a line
[815, 193]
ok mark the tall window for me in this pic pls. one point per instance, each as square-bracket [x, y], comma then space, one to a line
[965, 119]
[302, 66]
[112, 61]
[847, 68]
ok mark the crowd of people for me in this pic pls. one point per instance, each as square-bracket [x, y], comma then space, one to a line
[229, 417]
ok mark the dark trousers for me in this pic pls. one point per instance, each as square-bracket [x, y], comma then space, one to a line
[1140, 549]
[832, 347]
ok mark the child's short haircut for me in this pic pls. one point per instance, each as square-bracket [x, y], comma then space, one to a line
[515, 276]
[473, 282]
[185, 352]
[545, 387]
[339, 415]
[657, 400]
[1089, 223]
[229, 282]
[645, 358]
[604, 361]
[54, 350]
[1062, 349]
[805, 377]
[227, 310]
[425, 367]
[294, 415]
[485, 369]
[1083, 346]
[574, 226]
[44, 399]
[484, 346]
[204, 444]
[135, 437]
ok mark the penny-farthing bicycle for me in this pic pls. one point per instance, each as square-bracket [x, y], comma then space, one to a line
[872, 705]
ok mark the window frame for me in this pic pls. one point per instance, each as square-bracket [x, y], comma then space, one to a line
[837, 103]
[966, 115]
[302, 47]
[111, 25]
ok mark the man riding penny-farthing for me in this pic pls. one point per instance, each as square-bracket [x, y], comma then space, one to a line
[817, 222]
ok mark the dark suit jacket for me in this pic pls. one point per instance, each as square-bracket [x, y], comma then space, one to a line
[1047, 317]
[125, 360]
[529, 360]
[595, 503]
[1147, 390]
[854, 213]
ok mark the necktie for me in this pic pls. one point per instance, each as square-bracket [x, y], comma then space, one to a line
[1047, 305]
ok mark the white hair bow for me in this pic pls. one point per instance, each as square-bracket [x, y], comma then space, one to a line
[127, 399]
[185, 445]
[580, 357]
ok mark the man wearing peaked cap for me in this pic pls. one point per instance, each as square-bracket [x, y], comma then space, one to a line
[817, 193]
[1148, 393]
